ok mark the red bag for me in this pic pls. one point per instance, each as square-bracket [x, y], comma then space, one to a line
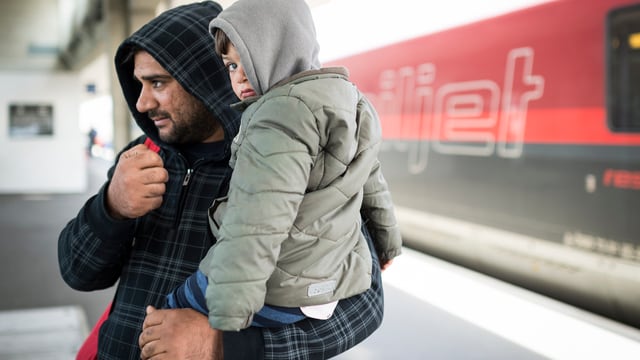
[89, 348]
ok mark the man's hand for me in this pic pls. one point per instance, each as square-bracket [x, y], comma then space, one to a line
[179, 334]
[138, 183]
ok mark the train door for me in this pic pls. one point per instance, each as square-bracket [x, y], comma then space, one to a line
[623, 69]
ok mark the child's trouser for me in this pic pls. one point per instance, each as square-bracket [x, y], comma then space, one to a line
[191, 295]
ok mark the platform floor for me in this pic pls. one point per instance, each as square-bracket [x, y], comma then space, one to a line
[53, 333]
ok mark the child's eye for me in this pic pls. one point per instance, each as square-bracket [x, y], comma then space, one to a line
[231, 67]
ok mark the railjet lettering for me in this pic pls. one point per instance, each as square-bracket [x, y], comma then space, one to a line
[476, 118]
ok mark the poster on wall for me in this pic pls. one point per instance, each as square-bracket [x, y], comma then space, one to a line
[30, 120]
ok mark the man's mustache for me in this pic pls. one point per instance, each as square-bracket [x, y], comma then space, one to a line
[154, 114]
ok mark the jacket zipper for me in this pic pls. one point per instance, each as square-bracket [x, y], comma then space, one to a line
[185, 185]
[187, 177]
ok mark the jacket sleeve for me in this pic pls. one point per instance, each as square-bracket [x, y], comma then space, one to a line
[92, 246]
[377, 206]
[269, 179]
[379, 216]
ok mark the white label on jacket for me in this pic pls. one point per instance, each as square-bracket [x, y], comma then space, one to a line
[321, 288]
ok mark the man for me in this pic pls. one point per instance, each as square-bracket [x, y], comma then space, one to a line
[147, 228]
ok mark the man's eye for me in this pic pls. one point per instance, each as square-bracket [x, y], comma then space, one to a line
[156, 84]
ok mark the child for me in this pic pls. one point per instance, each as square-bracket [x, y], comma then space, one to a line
[305, 168]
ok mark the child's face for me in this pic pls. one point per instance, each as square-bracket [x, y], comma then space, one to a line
[239, 81]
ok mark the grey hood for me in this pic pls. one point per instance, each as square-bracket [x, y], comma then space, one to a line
[274, 38]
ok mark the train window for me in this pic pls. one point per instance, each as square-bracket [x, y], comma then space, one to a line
[623, 69]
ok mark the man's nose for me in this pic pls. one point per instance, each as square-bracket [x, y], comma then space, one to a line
[146, 101]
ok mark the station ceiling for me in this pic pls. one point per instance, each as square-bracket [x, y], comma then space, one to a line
[51, 35]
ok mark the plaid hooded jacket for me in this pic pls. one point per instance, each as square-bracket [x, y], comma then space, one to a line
[153, 254]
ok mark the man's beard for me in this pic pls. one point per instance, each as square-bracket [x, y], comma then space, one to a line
[198, 126]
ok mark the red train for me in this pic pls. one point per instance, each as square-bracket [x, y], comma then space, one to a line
[512, 146]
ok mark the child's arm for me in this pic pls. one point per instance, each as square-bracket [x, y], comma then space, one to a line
[379, 217]
[190, 294]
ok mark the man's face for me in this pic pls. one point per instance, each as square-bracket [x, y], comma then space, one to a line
[179, 116]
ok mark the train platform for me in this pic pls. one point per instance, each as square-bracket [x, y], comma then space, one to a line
[438, 310]
[433, 309]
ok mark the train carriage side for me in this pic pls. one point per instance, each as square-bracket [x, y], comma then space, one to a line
[512, 146]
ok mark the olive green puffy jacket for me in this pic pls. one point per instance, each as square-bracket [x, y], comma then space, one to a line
[305, 165]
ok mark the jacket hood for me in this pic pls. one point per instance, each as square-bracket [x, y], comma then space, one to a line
[274, 38]
[179, 40]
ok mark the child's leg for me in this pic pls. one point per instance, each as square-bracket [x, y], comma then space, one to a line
[276, 316]
[190, 294]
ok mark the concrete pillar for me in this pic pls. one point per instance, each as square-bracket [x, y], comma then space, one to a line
[123, 17]
[117, 29]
